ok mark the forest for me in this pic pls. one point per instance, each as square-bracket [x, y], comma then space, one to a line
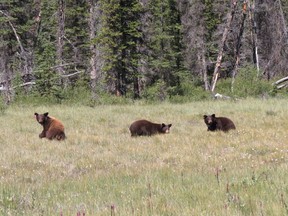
[142, 49]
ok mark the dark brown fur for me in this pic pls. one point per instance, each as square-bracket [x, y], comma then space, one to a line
[147, 128]
[218, 123]
[52, 128]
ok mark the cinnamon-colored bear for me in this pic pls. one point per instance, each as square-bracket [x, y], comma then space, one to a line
[52, 128]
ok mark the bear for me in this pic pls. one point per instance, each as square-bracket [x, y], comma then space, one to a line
[218, 123]
[52, 128]
[147, 128]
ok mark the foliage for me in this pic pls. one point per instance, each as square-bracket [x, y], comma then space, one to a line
[249, 83]
[158, 47]
[157, 92]
[48, 84]
[190, 92]
[3, 106]
[119, 38]
[165, 42]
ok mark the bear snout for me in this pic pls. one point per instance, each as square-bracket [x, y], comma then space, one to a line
[209, 122]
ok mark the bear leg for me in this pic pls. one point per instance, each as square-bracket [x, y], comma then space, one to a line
[42, 134]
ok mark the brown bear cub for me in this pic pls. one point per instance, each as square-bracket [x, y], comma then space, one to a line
[52, 128]
[147, 128]
[218, 123]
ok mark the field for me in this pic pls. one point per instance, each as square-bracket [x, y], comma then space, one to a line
[101, 170]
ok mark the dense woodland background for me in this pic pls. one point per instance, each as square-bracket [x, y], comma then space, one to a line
[153, 49]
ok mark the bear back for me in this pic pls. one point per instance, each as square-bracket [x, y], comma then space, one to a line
[147, 128]
[218, 123]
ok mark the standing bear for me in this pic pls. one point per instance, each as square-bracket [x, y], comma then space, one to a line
[52, 128]
[147, 128]
[218, 123]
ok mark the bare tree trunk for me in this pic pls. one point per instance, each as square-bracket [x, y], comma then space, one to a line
[6, 73]
[204, 70]
[201, 50]
[285, 30]
[281, 81]
[238, 44]
[202, 61]
[251, 9]
[221, 48]
[277, 62]
[25, 56]
[60, 40]
[94, 73]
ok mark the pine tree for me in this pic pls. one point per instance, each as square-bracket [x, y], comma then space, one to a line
[20, 22]
[46, 77]
[164, 42]
[119, 38]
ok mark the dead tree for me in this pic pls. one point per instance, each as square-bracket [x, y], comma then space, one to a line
[251, 9]
[238, 43]
[25, 56]
[204, 70]
[283, 21]
[276, 54]
[281, 81]
[96, 62]
[5, 73]
[60, 40]
[202, 49]
[221, 47]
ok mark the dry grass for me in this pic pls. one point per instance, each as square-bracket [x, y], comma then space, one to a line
[101, 170]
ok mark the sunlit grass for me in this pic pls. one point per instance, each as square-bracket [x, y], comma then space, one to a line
[101, 170]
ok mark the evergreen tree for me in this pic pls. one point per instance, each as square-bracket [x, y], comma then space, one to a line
[20, 22]
[119, 37]
[76, 34]
[46, 77]
[165, 42]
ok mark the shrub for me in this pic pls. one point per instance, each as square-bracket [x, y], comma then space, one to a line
[157, 92]
[247, 83]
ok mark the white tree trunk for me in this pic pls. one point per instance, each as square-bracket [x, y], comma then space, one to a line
[60, 40]
[221, 47]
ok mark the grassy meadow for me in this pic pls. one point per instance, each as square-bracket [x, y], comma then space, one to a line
[101, 170]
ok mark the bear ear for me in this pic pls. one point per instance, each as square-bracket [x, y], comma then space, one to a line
[213, 115]
[36, 114]
[46, 114]
[163, 125]
[205, 116]
[169, 125]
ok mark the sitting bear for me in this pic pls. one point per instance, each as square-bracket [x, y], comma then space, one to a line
[52, 128]
[218, 123]
[147, 128]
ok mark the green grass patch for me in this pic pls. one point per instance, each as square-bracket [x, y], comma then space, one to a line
[101, 170]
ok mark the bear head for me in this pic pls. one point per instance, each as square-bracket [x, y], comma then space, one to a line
[165, 128]
[210, 119]
[41, 118]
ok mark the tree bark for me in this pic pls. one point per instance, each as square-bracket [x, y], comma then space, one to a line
[285, 30]
[95, 59]
[238, 44]
[221, 48]
[6, 73]
[281, 81]
[251, 9]
[204, 70]
[60, 40]
[25, 56]
[93, 72]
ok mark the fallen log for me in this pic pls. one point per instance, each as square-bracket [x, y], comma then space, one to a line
[281, 81]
